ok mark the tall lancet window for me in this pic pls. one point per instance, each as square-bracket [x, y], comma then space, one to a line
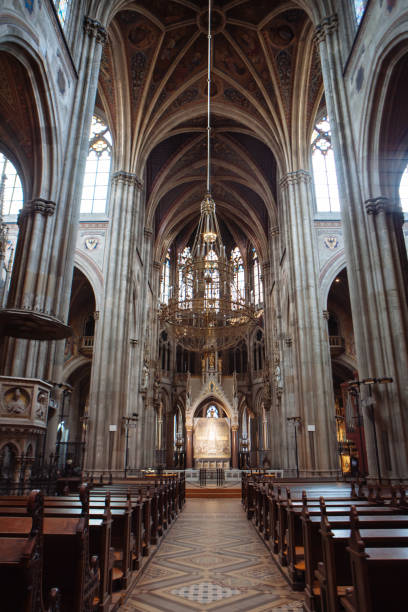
[185, 281]
[238, 287]
[403, 191]
[11, 190]
[359, 8]
[257, 277]
[62, 8]
[165, 280]
[324, 171]
[97, 169]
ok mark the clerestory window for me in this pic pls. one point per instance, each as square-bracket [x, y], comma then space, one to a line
[359, 8]
[403, 191]
[11, 190]
[324, 170]
[238, 286]
[97, 169]
[62, 8]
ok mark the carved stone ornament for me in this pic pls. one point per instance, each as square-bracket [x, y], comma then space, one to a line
[95, 29]
[42, 405]
[296, 178]
[39, 205]
[16, 402]
[91, 243]
[127, 178]
[374, 206]
[331, 242]
[328, 25]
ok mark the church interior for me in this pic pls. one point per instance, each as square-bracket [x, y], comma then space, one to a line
[204, 304]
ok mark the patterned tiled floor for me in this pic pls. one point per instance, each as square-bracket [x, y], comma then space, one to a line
[212, 559]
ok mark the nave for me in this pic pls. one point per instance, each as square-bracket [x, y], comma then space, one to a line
[213, 559]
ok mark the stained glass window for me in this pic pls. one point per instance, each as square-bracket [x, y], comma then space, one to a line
[238, 287]
[212, 412]
[324, 171]
[10, 185]
[359, 8]
[97, 169]
[61, 7]
[185, 278]
[258, 285]
[165, 280]
[403, 191]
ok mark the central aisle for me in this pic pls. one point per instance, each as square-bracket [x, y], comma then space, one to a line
[212, 559]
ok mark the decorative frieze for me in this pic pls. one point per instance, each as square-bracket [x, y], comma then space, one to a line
[128, 178]
[38, 205]
[326, 26]
[95, 29]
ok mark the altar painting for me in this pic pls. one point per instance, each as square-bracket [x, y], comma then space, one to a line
[212, 438]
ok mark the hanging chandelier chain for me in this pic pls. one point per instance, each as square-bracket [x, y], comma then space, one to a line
[209, 100]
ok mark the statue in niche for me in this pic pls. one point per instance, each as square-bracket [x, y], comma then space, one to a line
[145, 374]
[16, 401]
[156, 387]
[235, 391]
[188, 391]
[211, 361]
[278, 376]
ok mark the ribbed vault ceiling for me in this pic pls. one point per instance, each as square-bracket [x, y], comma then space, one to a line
[266, 89]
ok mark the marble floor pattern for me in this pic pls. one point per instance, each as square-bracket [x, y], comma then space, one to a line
[212, 559]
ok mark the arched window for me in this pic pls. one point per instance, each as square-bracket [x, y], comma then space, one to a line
[62, 8]
[11, 190]
[185, 278]
[97, 169]
[212, 412]
[238, 287]
[165, 280]
[359, 8]
[324, 171]
[257, 279]
[403, 190]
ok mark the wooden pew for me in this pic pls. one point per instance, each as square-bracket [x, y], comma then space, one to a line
[294, 534]
[334, 573]
[67, 561]
[378, 575]
[311, 526]
[21, 563]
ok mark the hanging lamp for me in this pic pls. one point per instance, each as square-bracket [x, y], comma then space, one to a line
[206, 311]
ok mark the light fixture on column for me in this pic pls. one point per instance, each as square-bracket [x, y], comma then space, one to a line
[209, 313]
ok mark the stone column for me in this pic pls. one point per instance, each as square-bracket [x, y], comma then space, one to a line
[109, 398]
[42, 271]
[314, 401]
[375, 268]
[189, 447]
[234, 447]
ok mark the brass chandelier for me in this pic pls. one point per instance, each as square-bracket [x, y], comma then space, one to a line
[206, 311]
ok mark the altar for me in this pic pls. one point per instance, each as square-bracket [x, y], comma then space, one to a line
[211, 443]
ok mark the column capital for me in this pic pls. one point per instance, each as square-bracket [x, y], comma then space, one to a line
[38, 205]
[288, 341]
[156, 265]
[234, 427]
[326, 315]
[274, 231]
[326, 26]
[296, 178]
[95, 29]
[129, 178]
[381, 204]
[148, 233]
